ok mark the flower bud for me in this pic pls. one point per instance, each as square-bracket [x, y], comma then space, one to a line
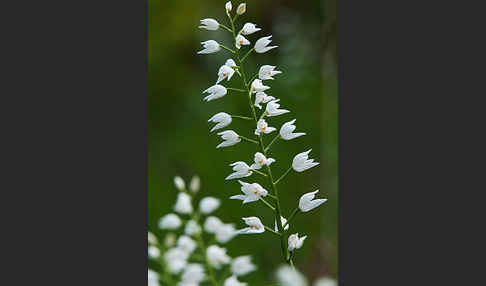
[241, 9]
[228, 6]
[179, 183]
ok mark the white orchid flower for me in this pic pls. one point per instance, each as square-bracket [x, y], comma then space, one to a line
[262, 43]
[216, 91]
[267, 72]
[242, 265]
[233, 281]
[186, 243]
[307, 202]
[192, 228]
[241, 9]
[217, 256]
[262, 127]
[228, 6]
[283, 220]
[212, 224]
[151, 238]
[302, 162]
[209, 204]
[288, 276]
[210, 46]
[257, 86]
[170, 221]
[241, 41]
[225, 232]
[153, 278]
[195, 184]
[176, 259]
[183, 204]
[230, 138]
[209, 24]
[153, 252]
[254, 226]
[241, 170]
[230, 63]
[252, 192]
[179, 183]
[225, 72]
[193, 274]
[249, 28]
[262, 97]
[222, 119]
[325, 281]
[260, 161]
[273, 108]
[295, 242]
[287, 129]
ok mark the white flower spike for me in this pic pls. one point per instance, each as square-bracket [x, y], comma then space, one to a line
[179, 183]
[262, 127]
[254, 226]
[186, 243]
[252, 192]
[233, 281]
[273, 108]
[225, 232]
[295, 242]
[210, 47]
[267, 72]
[302, 162]
[242, 265]
[241, 41]
[216, 91]
[241, 9]
[257, 86]
[183, 204]
[307, 202]
[287, 129]
[217, 256]
[262, 97]
[209, 24]
[241, 170]
[225, 72]
[222, 119]
[228, 6]
[283, 220]
[192, 228]
[262, 43]
[209, 204]
[212, 224]
[230, 138]
[260, 161]
[249, 28]
[170, 221]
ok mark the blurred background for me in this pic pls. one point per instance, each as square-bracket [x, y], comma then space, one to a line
[179, 138]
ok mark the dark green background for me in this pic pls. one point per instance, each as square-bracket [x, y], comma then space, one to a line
[179, 138]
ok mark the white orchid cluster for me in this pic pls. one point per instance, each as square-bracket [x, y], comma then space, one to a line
[288, 276]
[255, 89]
[185, 257]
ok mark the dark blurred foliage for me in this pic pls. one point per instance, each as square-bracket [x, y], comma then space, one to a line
[179, 138]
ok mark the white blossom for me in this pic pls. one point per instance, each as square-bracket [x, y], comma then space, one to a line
[153, 252]
[241, 170]
[233, 281]
[254, 226]
[170, 221]
[183, 204]
[257, 86]
[230, 63]
[295, 242]
[209, 24]
[325, 281]
[262, 127]
[230, 138]
[195, 184]
[261, 160]
[222, 119]
[228, 6]
[151, 238]
[252, 192]
[179, 183]
[216, 91]
[217, 256]
[283, 220]
[249, 28]
[153, 278]
[307, 202]
[192, 228]
[225, 232]
[241, 9]
[273, 108]
[287, 129]
[209, 204]
[302, 162]
[262, 43]
[241, 41]
[176, 259]
[193, 273]
[267, 72]
[287, 276]
[242, 265]
[186, 243]
[210, 46]
[262, 97]
[225, 72]
[212, 224]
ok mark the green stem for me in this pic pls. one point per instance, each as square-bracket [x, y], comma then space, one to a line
[258, 172]
[274, 139]
[271, 230]
[267, 203]
[252, 79]
[226, 48]
[248, 139]
[283, 176]
[247, 54]
[224, 27]
[236, 89]
[241, 117]
[291, 217]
